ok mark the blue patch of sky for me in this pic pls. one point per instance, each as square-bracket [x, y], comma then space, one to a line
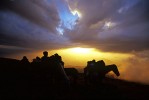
[68, 20]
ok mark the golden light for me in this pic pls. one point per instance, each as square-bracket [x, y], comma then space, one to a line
[81, 50]
[76, 12]
[78, 56]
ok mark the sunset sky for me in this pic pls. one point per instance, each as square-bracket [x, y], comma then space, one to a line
[116, 31]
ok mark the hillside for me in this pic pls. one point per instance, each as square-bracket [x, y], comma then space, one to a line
[23, 82]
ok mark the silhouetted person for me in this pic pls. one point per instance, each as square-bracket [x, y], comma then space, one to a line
[37, 60]
[100, 68]
[59, 59]
[90, 72]
[54, 69]
[24, 60]
[92, 63]
[60, 76]
[45, 57]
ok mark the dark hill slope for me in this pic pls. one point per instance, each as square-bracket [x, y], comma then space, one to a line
[24, 82]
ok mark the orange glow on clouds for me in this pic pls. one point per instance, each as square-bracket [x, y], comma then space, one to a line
[79, 56]
[128, 64]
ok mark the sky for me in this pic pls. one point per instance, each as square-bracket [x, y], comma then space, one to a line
[116, 31]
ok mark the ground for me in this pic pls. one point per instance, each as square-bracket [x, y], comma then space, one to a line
[109, 89]
[23, 83]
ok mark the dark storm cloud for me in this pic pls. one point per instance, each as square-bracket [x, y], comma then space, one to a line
[130, 29]
[12, 50]
[18, 31]
[35, 24]
[29, 24]
[37, 11]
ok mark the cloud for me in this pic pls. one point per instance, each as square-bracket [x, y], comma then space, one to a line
[129, 33]
[43, 13]
[12, 50]
[108, 25]
[40, 22]
[136, 68]
[30, 24]
[15, 27]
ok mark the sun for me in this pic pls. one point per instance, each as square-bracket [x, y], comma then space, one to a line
[80, 50]
[78, 56]
[76, 12]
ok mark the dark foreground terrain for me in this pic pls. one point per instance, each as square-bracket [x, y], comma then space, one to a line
[110, 89]
[18, 82]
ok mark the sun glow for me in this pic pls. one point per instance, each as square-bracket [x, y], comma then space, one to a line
[76, 12]
[78, 56]
[80, 50]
